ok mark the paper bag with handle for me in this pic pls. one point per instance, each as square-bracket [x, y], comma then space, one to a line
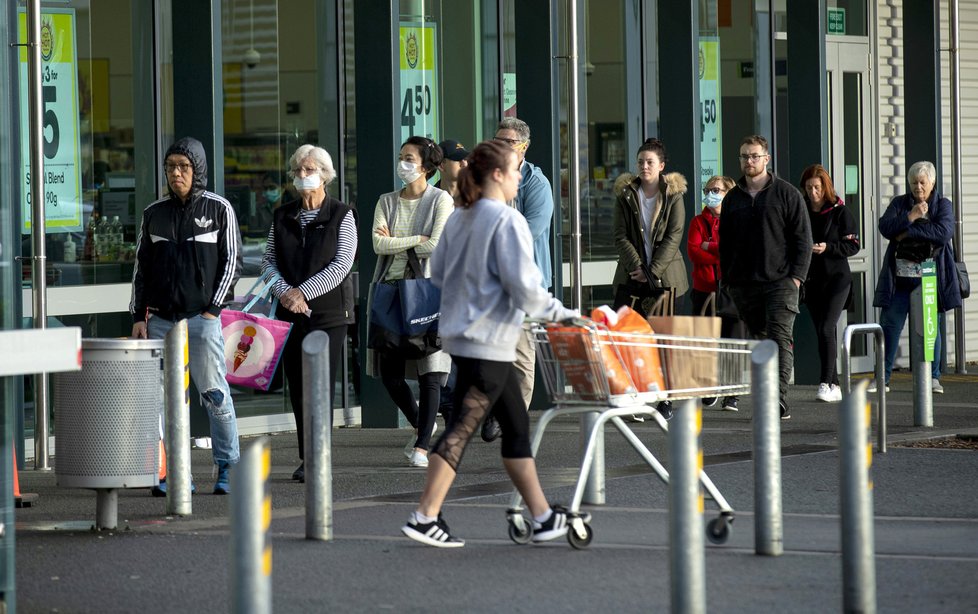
[692, 364]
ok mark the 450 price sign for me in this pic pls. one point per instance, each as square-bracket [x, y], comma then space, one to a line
[419, 86]
[60, 119]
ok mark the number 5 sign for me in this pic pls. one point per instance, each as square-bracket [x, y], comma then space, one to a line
[419, 85]
[60, 122]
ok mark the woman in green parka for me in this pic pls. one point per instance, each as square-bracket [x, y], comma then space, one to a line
[649, 219]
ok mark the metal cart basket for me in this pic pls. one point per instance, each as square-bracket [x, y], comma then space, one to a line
[588, 369]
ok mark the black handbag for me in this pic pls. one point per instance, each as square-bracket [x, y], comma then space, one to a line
[915, 250]
[404, 314]
[963, 281]
[637, 295]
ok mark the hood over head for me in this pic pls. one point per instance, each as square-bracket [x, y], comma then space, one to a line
[194, 150]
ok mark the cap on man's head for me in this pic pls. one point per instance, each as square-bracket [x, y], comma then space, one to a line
[453, 150]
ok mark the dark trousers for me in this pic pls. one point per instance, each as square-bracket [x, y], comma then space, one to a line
[826, 300]
[769, 310]
[481, 386]
[292, 357]
[421, 414]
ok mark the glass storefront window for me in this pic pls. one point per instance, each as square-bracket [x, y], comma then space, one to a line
[91, 135]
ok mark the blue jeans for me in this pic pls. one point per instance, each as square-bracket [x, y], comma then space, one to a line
[207, 370]
[892, 319]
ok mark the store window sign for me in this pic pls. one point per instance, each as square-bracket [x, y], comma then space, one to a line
[60, 117]
[710, 140]
[419, 85]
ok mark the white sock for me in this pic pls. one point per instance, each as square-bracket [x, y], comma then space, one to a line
[422, 519]
[544, 517]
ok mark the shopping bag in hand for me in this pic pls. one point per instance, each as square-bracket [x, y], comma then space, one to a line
[253, 343]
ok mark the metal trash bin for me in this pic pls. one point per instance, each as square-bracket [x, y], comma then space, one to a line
[107, 420]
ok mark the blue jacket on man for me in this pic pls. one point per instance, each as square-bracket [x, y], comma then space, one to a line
[535, 200]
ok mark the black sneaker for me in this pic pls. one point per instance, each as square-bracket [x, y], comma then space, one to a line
[432, 533]
[665, 408]
[300, 473]
[553, 527]
[490, 429]
[709, 401]
[785, 414]
[729, 404]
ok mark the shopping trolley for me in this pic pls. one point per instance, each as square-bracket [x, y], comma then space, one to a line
[587, 368]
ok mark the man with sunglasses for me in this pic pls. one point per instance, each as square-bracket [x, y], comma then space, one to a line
[187, 262]
[535, 201]
[765, 253]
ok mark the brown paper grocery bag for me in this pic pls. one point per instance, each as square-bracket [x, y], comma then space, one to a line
[691, 364]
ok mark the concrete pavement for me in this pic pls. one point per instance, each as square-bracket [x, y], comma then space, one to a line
[925, 507]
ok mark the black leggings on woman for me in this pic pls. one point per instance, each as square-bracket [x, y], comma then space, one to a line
[420, 414]
[482, 385]
[292, 359]
[826, 300]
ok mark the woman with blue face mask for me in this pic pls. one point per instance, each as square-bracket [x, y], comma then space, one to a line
[409, 221]
[703, 247]
[312, 244]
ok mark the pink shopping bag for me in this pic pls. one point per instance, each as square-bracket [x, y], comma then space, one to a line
[253, 345]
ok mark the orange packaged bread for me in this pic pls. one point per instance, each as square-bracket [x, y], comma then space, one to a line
[638, 350]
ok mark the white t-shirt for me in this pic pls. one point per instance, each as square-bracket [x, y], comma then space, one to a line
[648, 213]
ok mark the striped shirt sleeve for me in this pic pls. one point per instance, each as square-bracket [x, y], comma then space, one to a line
[269, 266]
[337, 270]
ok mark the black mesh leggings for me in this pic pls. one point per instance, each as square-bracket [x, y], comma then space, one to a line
[481, 385]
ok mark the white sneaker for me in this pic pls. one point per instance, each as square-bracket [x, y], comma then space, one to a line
[836, 393]
[824, 393]
[418, 459]
[935, 386]
[872, 386]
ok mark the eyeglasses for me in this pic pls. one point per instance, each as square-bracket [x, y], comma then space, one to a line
[309, 170]
[713, 190]
[183, 167]
[752, 157]
[510, 142]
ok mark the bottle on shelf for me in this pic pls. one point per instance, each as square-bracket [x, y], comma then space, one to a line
[116, 227]
[89, 252]
[70, 249]
[102, 240]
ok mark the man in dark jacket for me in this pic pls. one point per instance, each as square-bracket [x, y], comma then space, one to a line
[765, 253]
[187, 262]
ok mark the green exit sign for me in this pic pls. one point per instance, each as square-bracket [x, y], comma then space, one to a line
[837, 21]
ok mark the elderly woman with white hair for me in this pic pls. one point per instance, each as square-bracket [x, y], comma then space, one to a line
[312, 244]
[919, 226]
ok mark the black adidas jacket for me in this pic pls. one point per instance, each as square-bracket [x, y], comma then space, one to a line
[187, 256]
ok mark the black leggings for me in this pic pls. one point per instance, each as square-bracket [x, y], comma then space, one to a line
[421, 414]
[481, 385]
[292, 359]
[826, 301]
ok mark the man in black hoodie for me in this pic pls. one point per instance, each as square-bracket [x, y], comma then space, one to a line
[187, 262]
[765, 253]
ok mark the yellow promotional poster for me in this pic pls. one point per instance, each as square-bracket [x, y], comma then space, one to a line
[60, 122]
[710, 141]
[419, 85]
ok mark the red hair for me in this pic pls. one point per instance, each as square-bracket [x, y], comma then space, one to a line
[817, 171]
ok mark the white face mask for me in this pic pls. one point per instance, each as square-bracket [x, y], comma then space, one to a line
[408, 171]
[309, 182]
[713, 200]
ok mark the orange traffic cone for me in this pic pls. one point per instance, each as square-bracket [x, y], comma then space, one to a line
[162, 465]
[25, 500]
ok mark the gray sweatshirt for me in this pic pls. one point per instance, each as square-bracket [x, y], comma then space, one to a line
[485, 269]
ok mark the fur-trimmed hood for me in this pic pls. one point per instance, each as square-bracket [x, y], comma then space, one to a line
[671, 184]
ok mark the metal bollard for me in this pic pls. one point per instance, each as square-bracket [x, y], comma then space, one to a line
[687, 567]
[923, 405]
[768, 522]
[877, 331]
[317, 415]
[251, 516]
[594, 488]
[176, 394]
[856, 504]
[106, 508]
